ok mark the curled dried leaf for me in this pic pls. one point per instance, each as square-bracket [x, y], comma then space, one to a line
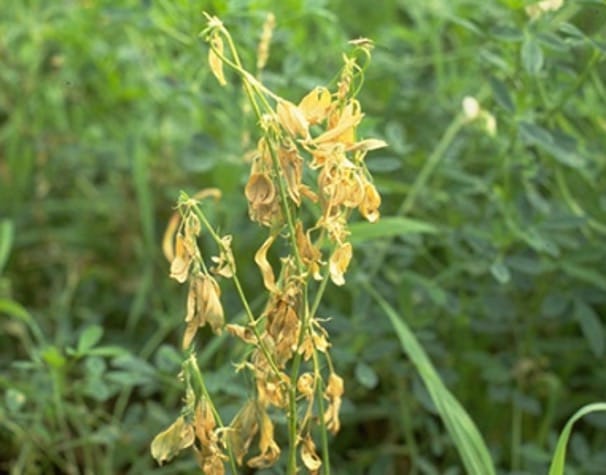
[267, 272]
[168, 241]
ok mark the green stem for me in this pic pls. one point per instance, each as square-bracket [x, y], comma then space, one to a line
[199, 379]
[240, 291]
[321, 409]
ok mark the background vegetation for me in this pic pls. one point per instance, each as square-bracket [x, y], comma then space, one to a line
[108, 109]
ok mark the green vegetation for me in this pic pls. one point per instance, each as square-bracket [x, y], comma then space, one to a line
[471, 326]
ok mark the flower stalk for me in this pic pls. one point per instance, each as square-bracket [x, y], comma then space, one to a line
[307, 154]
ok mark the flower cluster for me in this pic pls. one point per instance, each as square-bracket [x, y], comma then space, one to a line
[307, 176]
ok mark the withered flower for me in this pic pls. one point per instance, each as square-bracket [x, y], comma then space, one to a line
[214, 58]
[269, 449]
[305, 385]
[225, 262]
[369, 207]
[315, 105]
[183, 258]
[243, 428]
[310, 255]
[170, 442]
[333, 392]
[292, 119]
[338, 263]
[203, 305]
[309, 456]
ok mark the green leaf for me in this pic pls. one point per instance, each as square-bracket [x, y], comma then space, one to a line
[532, 55]
[501, 94]
[89, 338]
[387, 228]
[14, 400]
[592, 327]
[558, 462]
[466, 437]
[535, 134]
[584, 274]
[7, 233]
[500, 272]
[366, 376]
[562, 148]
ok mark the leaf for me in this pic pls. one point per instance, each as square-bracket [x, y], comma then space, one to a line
[584, 274]
[592, 327]
[558, 461]
[532, 55]
[389, 227]
[501, 94]
[366, 376]
[89, 338]
[7, 233]
[465, 435]
[559, 146]
[500, 272]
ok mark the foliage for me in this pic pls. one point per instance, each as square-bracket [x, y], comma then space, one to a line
[493, 255]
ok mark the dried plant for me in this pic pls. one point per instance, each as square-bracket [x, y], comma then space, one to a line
[307, 176]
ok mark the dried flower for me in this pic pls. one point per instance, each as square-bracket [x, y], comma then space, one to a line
[333, 392]
[170, 442]
[338, 263]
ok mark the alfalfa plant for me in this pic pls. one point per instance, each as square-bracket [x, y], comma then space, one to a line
[307, 176]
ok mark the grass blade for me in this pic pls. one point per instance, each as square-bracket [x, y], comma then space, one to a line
[466, 437]
[559, 457]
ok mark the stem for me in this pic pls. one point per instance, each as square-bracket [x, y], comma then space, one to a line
[321, 409]
[240, 291]
[195, 370]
